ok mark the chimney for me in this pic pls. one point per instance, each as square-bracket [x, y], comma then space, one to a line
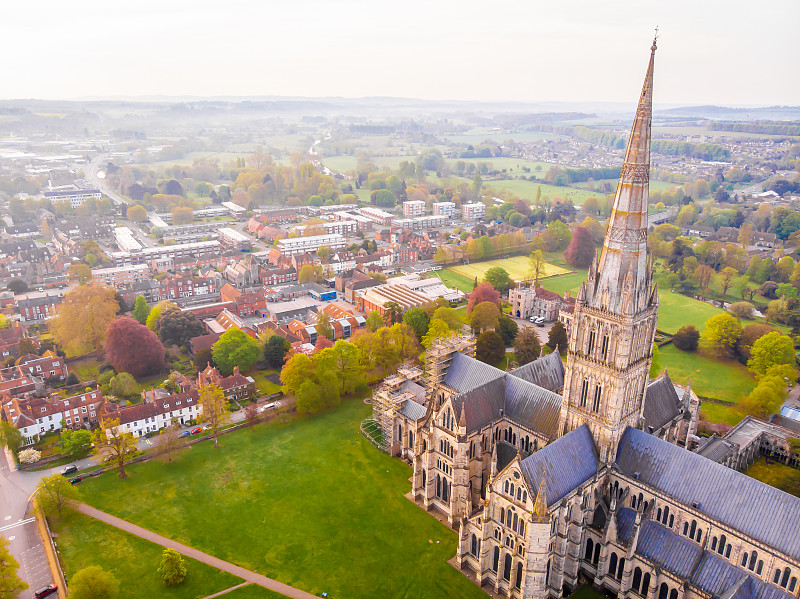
[235, 371]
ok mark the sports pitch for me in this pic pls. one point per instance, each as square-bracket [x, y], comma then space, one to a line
[517, 268]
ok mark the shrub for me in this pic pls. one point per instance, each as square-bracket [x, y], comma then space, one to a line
[768, 289]
[29, 456]
[743, 310]
[687, 338]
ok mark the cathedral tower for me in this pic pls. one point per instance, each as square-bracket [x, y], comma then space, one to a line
[614, 322]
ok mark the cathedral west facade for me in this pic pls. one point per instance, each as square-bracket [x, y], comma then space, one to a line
[555, 474]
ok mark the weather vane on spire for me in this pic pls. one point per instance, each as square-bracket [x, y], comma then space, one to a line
[655, 38]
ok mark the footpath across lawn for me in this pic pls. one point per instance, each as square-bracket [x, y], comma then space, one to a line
[84, 541]
[311, 504]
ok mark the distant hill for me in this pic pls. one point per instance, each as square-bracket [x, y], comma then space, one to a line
[729, 113]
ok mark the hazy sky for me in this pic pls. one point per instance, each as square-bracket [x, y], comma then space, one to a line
[710, 51]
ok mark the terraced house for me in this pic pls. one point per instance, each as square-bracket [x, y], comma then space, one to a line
[554, 474]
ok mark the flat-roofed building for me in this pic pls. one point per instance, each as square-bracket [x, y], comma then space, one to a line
[75, 197]
[303, 245]
[126, 242]
[377, 215]
[376, 298]
[447, 209]
[413, 208]
[342, 227]
[474, 211]
[234, 239]
[181, 250]
[121, 275]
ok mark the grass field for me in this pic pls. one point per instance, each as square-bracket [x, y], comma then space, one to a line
[778, 475]
[711, 377]
[264, 386]
[518, 267]
[527, 190]
[253, 591]
[84, 541]
[311, 504]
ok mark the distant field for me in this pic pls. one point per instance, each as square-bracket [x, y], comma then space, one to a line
[517, 267]
[527, 190]
[340, 164]
[514, 165]
[479, 136]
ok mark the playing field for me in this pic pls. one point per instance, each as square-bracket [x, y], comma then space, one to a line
[517, 267]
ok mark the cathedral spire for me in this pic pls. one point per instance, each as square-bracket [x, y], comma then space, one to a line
[625, 244]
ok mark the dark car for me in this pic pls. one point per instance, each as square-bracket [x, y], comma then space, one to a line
[196, 430]
[75, 481]
[71, 469]
[184, 434]
[46, 591]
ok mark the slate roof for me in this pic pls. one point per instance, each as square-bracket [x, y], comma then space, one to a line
[467, 373]
[532, 406]
[661, 403]
[547, 372]
[481, 405]
[505, 453]
[566, 464]
[742, 502]
[715, 449]
[716, 575]
[412, 410]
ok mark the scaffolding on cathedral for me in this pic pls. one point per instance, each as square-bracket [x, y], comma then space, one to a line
[387, 400]
[440, 355]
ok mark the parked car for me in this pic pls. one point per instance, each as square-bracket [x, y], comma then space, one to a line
[198, 429]
[71, 469]
[75, 481]
[45, 591]
[184, 434]
[537, 319]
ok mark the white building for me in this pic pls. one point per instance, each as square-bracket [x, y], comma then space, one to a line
[342, 227]
[121, 275]
[75, 197]
[446, 209]
[180, 250]
[413, 208]
[38, 416]
[234, 239]
[126, 242]
[308, 245]
[433, 287]
[234, 209]
[151, 417]
[473, 211]
[377, 215]
[421, 222]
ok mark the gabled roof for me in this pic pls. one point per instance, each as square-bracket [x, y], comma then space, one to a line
[481, 405]
[532, 405]
[750, 506]
[547, 372]
[467, 373]
[716, 575]
[661, 403]
[566, 463]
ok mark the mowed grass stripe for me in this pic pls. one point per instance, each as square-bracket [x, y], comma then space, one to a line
[518, 267]
[311, 504]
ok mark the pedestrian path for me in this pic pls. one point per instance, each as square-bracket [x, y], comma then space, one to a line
[215, 562]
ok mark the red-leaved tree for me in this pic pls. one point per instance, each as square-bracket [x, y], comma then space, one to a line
[580, 252]
[484, 292]
[132, 347]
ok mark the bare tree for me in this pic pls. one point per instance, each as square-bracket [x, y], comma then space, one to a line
[113, 445]
[215, 408]
[251, 413]
[168, 441]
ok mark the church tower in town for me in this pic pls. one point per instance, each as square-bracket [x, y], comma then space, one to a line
[612, 328]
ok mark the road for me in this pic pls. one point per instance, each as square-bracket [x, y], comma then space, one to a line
[95, 173]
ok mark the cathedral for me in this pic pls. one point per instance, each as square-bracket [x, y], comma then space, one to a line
[557, 474]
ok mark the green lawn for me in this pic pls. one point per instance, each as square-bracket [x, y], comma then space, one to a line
[727, 380]
[312, 504]
[563, 283]
[85, 370]
[527, 190]
[518, 267]
[455, 280]
[264, 386]
[778, 475]
[84, 541]
[587, 591]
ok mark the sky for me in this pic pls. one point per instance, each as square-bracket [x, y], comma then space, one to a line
[731, 52]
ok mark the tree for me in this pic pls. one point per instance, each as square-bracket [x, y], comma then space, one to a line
[123, 385]
[275, 350]
[294, 372]
[484, 292]
[155, 313]
[10, 583]
[140, 310]
[75, 442]
[489, 347]
[450, 316]
[310, 273]
[485, 316]
[687, 338]
[393, 312]
[527, 346]
[742, 310]
[324, 326]
[182, 215]
[136, 213]
[722, 333]
[168, 441]
[750, 334]
[437, 329]
[172, 568]
[54, 493]
[132, 347]
[560, 234]
[498, 278]
[418, 320]
[83, 317]
[324, 252]
[93, 583]
[557, 338]
[251, 413]
[702, 276]
[507, 329]
[10, 437]
[112, 444]
[536, 264]
[374, 321]
[344, 358]
[726, 277]
[235, 348]
[770, 350]
[176, 327]
[203, 358]
[214, 409]
[79, 272]
[26, 346]
[580, 252]
[766, 398]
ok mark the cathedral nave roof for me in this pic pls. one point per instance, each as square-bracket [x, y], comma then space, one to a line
[546, 372]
